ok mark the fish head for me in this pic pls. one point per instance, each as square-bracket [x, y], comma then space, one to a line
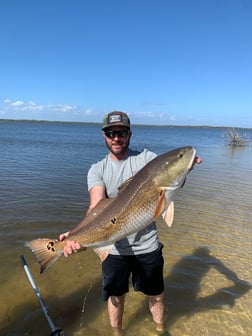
[172, 168]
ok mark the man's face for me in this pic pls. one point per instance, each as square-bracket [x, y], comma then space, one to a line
[117, 139]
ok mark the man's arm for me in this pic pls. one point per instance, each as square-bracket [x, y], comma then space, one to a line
[96, 194]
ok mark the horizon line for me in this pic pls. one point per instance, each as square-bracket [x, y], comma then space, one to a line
[132, 124]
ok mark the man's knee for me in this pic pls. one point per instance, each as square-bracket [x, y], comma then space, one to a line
[116, 300]
[155, 299]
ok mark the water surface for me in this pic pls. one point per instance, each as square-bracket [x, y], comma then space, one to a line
[207, 251]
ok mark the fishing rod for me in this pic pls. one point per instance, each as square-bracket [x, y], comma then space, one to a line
[55, 331]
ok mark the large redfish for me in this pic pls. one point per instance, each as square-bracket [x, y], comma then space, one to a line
[140, 200]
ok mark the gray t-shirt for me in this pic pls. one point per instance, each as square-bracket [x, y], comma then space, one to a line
[111, 174]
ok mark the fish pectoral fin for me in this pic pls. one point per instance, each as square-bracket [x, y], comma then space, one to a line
[103, 251]
[168, 214]
[160, 204]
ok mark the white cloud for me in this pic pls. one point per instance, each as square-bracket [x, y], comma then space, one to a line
[144, 114]
[17, 103]
[20, 104]
[89, 111]
[61, 108]
[31, 110]
[18, 109]
[173, 118]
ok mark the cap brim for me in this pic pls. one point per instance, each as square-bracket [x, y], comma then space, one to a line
[115, 124]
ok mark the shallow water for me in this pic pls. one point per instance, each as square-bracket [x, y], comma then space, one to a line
[207, 251]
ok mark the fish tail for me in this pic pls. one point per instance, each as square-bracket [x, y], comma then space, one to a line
[45, 251]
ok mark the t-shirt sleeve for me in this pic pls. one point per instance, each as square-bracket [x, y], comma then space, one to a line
[149, 156]
[94, 177]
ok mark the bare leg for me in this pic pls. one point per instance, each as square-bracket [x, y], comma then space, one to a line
[157, 309]
[115, 311]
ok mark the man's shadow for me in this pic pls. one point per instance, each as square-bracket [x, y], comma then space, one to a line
[183, 285]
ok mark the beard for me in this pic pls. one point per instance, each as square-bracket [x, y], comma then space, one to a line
[118, 147]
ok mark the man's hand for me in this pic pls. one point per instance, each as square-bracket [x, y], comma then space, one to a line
[198, 160]
[71, 246]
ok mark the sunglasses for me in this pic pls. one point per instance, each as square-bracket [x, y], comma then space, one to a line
[111, 134]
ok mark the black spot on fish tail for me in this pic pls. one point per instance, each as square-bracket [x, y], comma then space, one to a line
[45, 252]
[50, 246]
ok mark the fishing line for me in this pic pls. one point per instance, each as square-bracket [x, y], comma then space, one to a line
[84, 304]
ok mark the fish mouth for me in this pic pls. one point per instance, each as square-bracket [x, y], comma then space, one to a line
[181, 180]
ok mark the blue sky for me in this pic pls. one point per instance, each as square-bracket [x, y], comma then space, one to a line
[179, 62]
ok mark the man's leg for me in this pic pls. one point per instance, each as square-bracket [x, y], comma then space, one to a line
[115, 311]
[157, 308]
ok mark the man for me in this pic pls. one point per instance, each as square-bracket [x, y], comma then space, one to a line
[140, 254]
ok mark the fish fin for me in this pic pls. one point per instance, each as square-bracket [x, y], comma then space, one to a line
[45, 252]
[168, 214]
[100, 206]
[103, 251]
[124, 184]
[160, 204]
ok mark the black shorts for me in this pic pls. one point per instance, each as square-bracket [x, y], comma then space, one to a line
[146, 270]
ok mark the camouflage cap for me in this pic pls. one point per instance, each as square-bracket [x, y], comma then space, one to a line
[116, 118]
